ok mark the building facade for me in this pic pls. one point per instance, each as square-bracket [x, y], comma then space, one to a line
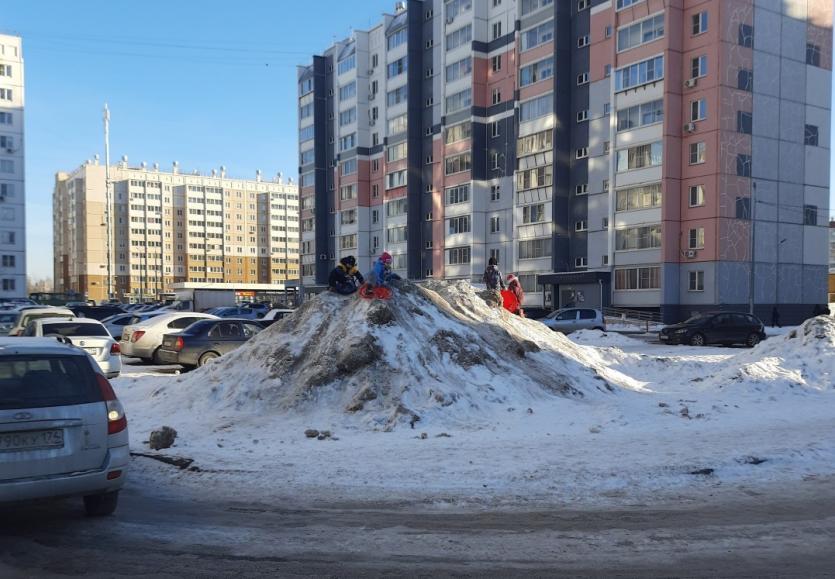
[832, 261]
[608, 152]
[12, 179]
[170, 227]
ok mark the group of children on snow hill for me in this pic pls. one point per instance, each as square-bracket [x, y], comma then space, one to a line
[346, 279]
[492, 278]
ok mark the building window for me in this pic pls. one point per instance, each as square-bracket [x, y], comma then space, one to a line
[5, 70]
[640, 157]
[811, 136]
[813, 54]
[497, 96]
[494, 225]
[696, 238]
[457, 163]
[582, 153]
[537, 107]
[581, 225]
[396, 179]
[396, 39]
[743, 208]
[605, 185]
[607, 109]
[582, 116]
[810, 215]
[495, 192]
[459, 37]
[639, 33]
[496, 63]
[581, 262]
[640, 73]
[581, 189]
[497, 30]
[529, 6]
[607, 32]
[640, 197]
[459, 194]
[641, 115]
[696, 195]
[459, 69]
[536, 72]
[698, 110]
[495, 129]
[697, 281]
[396, 96]
[375, 216]
[397, 67]
[458, 132]
[744, 122]
[745, 80]
[396, 152]
[743, 165]
[583, 41]
[533, 213]
[538, 35]
[699, 22]
[582, 78]
[638, 278]
[457, 225]
[697, 153]
[459, 101]
[9, 285]
[534, 248]
[5, 94]
[349, 167]
[397, 125]
[641, 237]
[536, 143]
[746, 35]
[698, 66]
[494, 160]
[458, 256]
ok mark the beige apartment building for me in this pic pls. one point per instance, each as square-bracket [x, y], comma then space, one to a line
[171, 227]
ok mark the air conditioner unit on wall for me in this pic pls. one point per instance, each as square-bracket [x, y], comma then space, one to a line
[691, 82]
[691, 253]
[690, 127]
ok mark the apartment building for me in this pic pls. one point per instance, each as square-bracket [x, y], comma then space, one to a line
[171, 227]
[12, 179]
[609, 152]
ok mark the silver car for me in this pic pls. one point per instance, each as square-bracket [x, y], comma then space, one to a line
[569, 320]
[63, 432]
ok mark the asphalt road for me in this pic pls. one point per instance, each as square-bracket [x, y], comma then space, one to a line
[169, 533]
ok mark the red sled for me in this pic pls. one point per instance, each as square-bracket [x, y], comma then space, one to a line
[509, 301]
[376, 293]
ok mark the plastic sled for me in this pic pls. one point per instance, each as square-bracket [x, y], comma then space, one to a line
[377, 293]
[509, 301]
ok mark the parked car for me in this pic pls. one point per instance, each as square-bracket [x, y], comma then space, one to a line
[724, 328]
[30, 314]
[8, 319]
[206, 340]
[569, 320]
[243, 313]
[275, 315]
[96, 312]
[115, 324]
[144, 339]
[89, 335]
[63, 432]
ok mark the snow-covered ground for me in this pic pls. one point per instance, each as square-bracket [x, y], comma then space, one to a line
[678, 422]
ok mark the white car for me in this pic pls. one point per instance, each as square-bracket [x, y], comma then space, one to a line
[31, 314]
[88, 334]
[115, 324]
[63, 432]
[144, 339]
[276, 314]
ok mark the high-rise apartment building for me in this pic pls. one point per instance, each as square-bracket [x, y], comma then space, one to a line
[12, 180]
[171, 227]
[606, 151]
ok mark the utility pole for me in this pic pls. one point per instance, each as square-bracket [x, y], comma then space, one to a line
[107, 202]
[753, 240]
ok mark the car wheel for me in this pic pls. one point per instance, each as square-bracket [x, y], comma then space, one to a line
[204, 359]
[155, 358]
[697, 340]
[101, 505]
[753, 340]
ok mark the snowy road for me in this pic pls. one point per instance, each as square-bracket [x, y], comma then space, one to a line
[167, 532]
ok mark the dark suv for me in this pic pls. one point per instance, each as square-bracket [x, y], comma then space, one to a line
[724, 328]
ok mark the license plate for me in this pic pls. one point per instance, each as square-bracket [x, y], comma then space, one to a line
[31, 439]
[92, 351]
[662, 336]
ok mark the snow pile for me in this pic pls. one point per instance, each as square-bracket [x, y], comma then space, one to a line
[803, 358]
[603, 339]
[437, 353]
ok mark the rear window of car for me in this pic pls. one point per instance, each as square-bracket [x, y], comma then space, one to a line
[71, 329]
[44, 381]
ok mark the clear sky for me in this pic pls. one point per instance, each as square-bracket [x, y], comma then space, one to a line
[205, 83]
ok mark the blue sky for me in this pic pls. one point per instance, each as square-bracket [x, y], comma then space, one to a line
[206, 86]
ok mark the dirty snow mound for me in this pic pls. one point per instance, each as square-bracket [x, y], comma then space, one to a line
[803, 358]
[433, 353]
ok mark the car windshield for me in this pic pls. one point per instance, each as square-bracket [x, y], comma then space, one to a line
[70, 329]
[8, 318]
[43, 381]
[694, 319]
